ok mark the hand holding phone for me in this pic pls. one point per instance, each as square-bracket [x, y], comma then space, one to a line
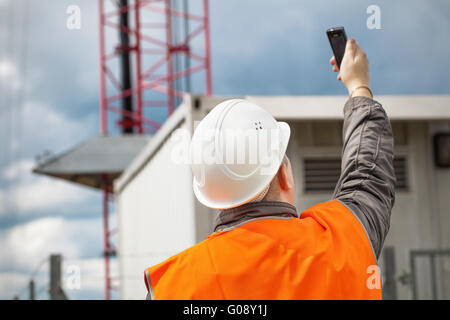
[338, 40]
[350, 61]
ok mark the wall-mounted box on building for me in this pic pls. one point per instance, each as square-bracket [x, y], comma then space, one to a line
[441, 142]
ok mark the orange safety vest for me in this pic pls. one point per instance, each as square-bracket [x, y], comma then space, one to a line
[324, 254]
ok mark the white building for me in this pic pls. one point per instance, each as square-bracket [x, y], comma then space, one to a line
[159, 215]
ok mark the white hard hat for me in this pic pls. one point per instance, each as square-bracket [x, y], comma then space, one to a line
[236, 150]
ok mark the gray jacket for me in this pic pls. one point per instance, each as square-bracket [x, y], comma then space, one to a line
[367, 181]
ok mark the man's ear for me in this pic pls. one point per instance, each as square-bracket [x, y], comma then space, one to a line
[285, 177]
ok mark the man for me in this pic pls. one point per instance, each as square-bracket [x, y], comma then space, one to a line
[261, 248]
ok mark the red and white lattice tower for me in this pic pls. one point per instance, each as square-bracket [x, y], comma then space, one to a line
[148, 51]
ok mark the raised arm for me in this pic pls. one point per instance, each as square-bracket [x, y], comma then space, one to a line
[366, 184]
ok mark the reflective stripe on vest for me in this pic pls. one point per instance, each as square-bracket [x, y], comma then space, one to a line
[148, 284]
[325, 254]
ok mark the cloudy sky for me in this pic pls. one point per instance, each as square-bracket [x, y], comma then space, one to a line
[49, 101]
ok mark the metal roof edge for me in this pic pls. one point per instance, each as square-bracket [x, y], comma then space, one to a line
[398, 107]
[39, 168]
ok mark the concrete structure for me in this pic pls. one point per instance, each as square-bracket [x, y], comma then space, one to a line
[159, 215]
[89, 162]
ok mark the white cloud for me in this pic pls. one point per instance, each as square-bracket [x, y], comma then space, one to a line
[26, 246]
[91, 280]
[45, 194]
[17, 170]
[29, 193]
[13, 283]
[9, 74]
[45, 126]
[7, 68]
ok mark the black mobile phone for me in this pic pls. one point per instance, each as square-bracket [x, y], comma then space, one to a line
[338, 40]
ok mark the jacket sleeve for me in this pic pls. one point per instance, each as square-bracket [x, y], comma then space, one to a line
[367, 181]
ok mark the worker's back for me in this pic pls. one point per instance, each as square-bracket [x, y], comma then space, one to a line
[260, 248]
[324, 254]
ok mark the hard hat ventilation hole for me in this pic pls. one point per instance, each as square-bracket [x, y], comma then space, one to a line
[258, 125]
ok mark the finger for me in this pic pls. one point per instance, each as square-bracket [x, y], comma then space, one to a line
[359, 52]
[335, 69]
[339, 77]
[357, 47]
[350, 48]
[333, 60]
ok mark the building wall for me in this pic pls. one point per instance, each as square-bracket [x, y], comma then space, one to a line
[441, 190]
[156, 218]
[413, 214]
